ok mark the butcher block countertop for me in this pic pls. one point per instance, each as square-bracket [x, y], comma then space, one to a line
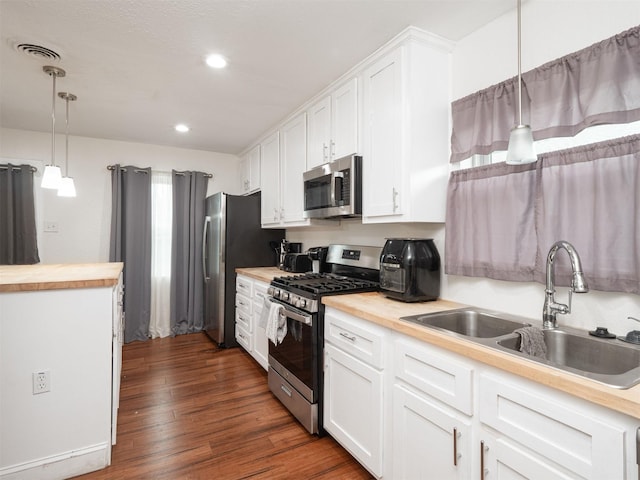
[25, 278]
[379, 309]
[264, 274]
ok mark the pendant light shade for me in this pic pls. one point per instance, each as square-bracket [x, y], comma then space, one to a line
[67, 188]
[52, 177]
[521, 148]
[52, 174]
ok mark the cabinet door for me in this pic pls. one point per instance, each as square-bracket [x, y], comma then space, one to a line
[319, 133]
[577, 438]
[270, 180]
[245, 173]
[383, 156]
[344, 120]
[507, 460]
[353, 407]
[253, 162]
[260, 340]
[293, 163]
[429, 442]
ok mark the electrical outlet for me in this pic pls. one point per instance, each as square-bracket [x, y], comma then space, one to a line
[41, 382]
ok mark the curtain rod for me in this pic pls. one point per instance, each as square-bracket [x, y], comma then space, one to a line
[112, 167]
[17, 167]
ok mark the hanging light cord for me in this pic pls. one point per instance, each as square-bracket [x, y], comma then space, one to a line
[66, 147]
[519, 63]
[53, 119]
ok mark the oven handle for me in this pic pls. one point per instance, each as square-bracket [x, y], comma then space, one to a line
[298, 317]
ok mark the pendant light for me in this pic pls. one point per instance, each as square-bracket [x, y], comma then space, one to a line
[67, 187]
[52, 175]
[520, 149]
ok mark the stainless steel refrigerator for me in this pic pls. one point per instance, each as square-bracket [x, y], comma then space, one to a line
[232, 238]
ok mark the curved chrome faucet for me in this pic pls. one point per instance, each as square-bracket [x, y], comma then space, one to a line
[578, 284]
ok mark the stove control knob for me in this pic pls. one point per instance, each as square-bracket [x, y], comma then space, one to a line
[270, 291]
[284, 295]
[276, 293]
[302, 303]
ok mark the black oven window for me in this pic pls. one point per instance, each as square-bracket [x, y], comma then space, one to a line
[295, 353]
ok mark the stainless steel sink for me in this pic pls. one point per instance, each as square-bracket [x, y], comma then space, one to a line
[612, 362]
[470, 322]
[609, 361]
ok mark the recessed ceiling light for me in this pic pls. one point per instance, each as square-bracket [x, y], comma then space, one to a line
[216, 61]
[182, 128]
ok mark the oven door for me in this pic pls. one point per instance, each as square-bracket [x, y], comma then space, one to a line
[296, 357]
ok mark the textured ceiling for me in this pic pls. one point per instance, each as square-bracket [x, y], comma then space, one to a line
[137, 66]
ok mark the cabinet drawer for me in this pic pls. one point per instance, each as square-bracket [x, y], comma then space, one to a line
[259, 292]
[435, 373]
[243, 337]
[243, 304]
[577, 437]
[362, 339]
[244, 286]
[244, 320]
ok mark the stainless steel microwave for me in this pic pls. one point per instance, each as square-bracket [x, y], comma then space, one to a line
[334, 189]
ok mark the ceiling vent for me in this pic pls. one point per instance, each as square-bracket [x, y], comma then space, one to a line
[37, 51]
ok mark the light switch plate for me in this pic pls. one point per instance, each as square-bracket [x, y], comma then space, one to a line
[51, 227]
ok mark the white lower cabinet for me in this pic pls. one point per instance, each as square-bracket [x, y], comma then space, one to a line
[354, 387]
[432, 404]
[529, 432]
[250, 335]
[260, 340]
[406, 409]
[429, 440]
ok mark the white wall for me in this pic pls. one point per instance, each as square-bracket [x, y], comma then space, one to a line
[551, 29]
[84, 221]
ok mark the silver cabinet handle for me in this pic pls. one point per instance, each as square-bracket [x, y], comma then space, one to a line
[348, 337]
[455, 446]
[395, 199]
[324, 151]
[483, 449]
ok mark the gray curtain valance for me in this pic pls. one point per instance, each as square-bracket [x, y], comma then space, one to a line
[597, 85]
[502, 220]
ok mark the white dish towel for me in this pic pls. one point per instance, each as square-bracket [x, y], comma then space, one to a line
[274, 321]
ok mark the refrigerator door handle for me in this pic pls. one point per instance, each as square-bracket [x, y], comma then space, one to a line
[205, 230]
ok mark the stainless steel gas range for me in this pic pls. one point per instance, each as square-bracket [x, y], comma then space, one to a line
[295, 364]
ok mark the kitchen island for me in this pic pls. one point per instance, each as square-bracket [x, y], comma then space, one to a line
[60, 360]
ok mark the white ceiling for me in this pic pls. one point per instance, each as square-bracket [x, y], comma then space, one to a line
[137, 66]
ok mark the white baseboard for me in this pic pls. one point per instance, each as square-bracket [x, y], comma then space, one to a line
[64, 465]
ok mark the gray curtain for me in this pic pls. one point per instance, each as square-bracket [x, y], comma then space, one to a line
[597, 85]
[502, 220]
[131, 244]
[187, 284]
[18, 236]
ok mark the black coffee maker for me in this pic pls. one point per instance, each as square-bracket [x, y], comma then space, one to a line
[410, 269]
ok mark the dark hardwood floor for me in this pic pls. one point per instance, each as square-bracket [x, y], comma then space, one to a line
[191, 411]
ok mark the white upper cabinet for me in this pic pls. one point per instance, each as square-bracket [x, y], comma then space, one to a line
[270, 180]
[333, 125]
[293, 163]
[250, 171]
[284, 160]
[319, 129]
[406, 132]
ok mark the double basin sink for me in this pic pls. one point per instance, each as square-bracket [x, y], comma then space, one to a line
[608, 361]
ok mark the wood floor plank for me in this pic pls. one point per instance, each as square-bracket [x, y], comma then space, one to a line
[191, 411]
